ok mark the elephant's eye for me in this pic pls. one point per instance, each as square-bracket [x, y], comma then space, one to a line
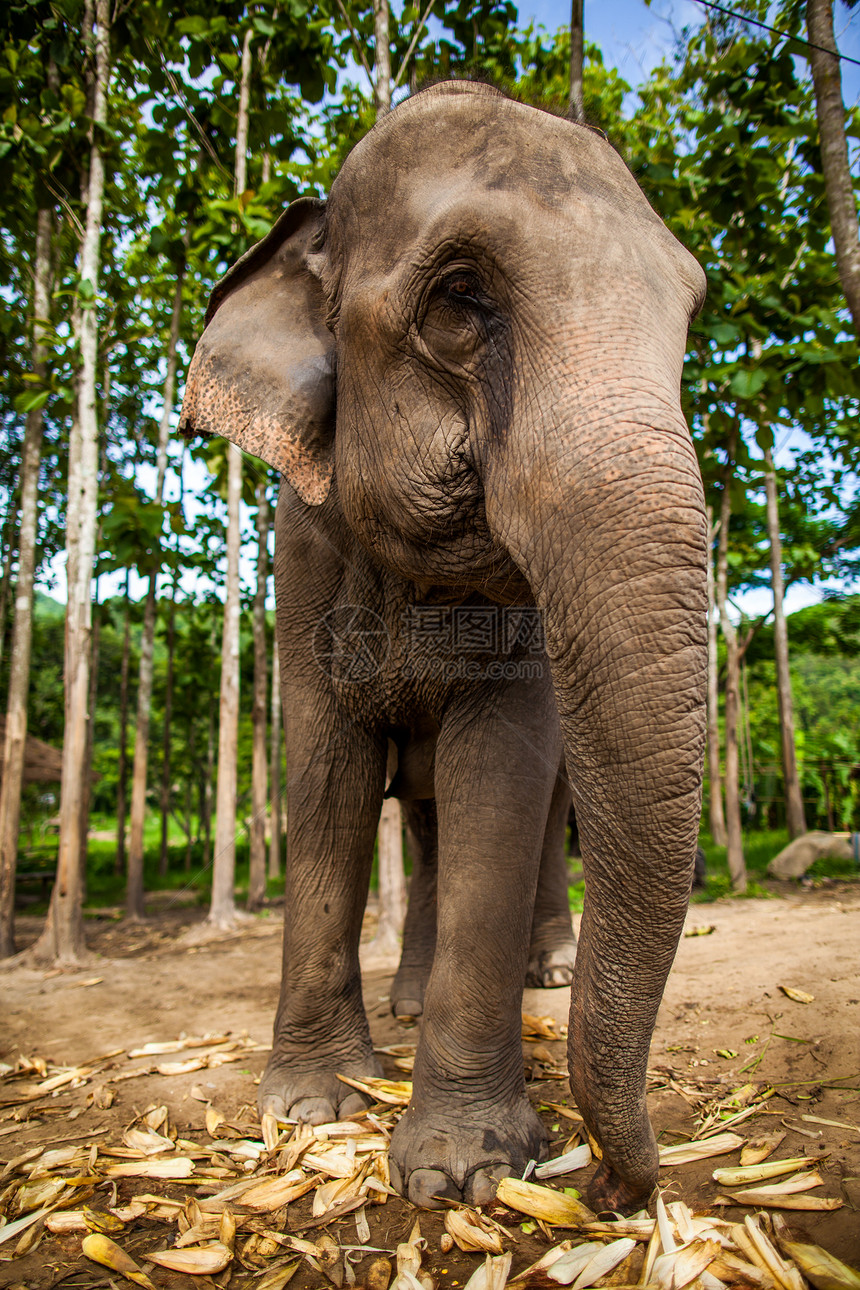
[462, 288]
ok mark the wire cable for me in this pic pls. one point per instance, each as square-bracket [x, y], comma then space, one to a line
[798, 40]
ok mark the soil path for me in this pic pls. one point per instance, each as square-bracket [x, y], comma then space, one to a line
[724, 1023]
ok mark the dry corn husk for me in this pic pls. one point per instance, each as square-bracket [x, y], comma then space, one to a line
[687, 1152]
[752, 1241]
[277, 1277]
[471, 1232]
[391, 1092]
[148, 1141]
[176, 1167]
[204, 1261]
[493, 1275]
[640, 1229]
[543, 1203]
[758, 1149]
[728, 1267]
[101, 1249]
[756, 1173]
[43, 1194]
[822, 1269]
[544, 1262]
[677, 1269]
[771, 1200]
[664, 1226]
[585, 1265]
[272, 1193]
[19, 1225]
[566, 1266]
[578, 1158]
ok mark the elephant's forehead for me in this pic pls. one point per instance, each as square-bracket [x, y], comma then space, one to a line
[432, 147]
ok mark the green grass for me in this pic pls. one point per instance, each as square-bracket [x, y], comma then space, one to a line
[759, 849]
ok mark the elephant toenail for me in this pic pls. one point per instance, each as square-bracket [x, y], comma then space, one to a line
[430, 1188]
[481, 1186]
[313, 1110]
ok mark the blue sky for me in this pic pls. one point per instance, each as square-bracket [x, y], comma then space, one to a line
[634, 36]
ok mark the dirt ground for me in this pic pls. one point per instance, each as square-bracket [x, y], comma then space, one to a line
[724, 1024]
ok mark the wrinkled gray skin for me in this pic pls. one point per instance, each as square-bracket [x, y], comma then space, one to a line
[552, 945]
[467, 366]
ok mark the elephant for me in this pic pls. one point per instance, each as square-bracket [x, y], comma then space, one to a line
[490, 548]
[552, 944]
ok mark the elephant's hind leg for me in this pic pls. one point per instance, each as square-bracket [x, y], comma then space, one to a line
[552, 952]
[419, 932]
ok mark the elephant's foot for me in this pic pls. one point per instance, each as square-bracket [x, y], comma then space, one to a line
[407, 991]
[313, 1094]
[608, 1191]
[551, 965]
[462, 1153]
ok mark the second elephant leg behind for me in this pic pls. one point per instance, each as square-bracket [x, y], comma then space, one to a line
[553, 942]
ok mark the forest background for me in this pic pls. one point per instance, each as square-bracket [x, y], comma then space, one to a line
[144, 147]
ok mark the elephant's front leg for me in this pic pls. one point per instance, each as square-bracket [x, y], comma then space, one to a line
[470, 1120]
[321, 1031]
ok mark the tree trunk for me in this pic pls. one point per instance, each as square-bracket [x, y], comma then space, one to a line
[222, 909]
[22, 632]
[794, 815]
[392, 906]
[9, 534]
[716, 818]
[392, 881]
[165, 742]
[188, 786]
[830, 111]
[206, 787]
[63, 936]
[259, 769]
[576, 110]
[122, 763]
[734, 836]
[87, 791]
[134, 907]
[275, 768]
[382, 89]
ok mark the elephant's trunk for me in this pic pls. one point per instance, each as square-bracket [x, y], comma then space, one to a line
[609, 528]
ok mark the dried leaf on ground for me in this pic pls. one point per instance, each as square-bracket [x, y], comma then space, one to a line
[799, 996]
[540, 1027]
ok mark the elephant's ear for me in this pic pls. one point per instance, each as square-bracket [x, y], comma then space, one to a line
[263, 370]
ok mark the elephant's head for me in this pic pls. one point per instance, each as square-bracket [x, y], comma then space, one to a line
[480, 338]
